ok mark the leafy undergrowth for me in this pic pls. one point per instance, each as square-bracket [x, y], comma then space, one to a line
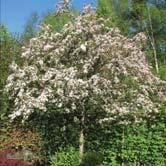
[19, 143]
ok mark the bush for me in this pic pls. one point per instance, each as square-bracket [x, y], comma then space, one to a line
[92, 159]
[65, 157]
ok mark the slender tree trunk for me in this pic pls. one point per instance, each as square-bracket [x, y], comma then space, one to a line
[153, 42]
[155, 56]
[138, 163]
[81, 137]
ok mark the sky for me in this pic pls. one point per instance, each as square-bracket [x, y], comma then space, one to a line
[15, 13]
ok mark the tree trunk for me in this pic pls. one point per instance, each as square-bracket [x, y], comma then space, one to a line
[153, 42]
[81, 139]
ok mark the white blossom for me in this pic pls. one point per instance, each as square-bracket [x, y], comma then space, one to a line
[83, 47]
[101, 66]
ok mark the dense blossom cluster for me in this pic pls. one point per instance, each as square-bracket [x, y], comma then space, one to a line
[86, 65]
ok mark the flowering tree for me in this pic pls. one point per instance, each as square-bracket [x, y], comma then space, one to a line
[87, 67]
[63, 6]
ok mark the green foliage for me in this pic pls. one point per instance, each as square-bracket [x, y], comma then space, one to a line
[92, 159]
[162, 72]
[10, 49]
[54, 131]
[58, 21]
[117, 11]
[143, 144]
[65, 157]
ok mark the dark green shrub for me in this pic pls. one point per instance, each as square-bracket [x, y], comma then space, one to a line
[65, 157]
[92, 159]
